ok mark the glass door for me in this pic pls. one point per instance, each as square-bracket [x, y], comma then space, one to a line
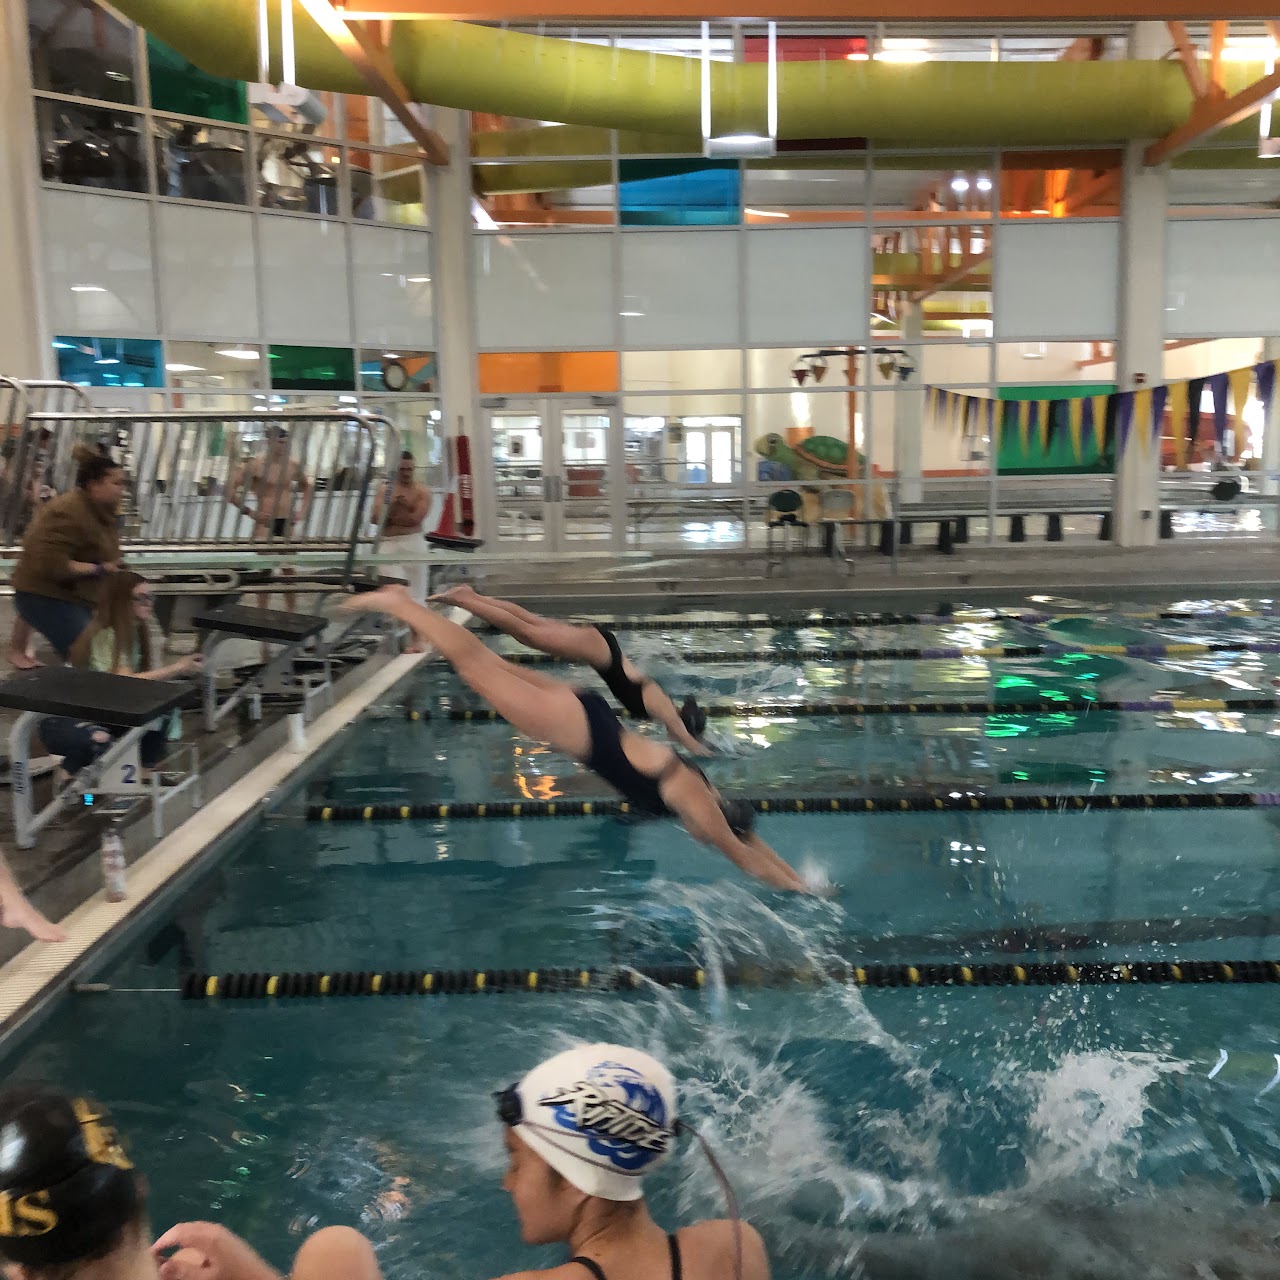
[554, 471]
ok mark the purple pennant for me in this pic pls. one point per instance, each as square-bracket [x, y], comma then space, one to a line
[1124, 418]
[1087, 428]
[1220, 385]
[1159, 398]
[1033, 428]
[1265, 375]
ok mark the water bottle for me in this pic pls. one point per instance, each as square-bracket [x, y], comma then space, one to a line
[113, 877]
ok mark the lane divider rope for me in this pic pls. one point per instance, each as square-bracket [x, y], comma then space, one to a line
[404, 982]
[912, 654]
[948, 802]
[959, 617]
[1042, 706]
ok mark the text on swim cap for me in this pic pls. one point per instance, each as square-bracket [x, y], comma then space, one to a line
[595, 1111]
[26, 1215]
[100, 1140]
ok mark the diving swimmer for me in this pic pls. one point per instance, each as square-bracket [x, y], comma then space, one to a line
[581, 724]
[596, 646]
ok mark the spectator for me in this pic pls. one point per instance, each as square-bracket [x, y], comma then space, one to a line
[70, 546]
[404, 503]
[117, 640]
[78, 1208]
[26, 488]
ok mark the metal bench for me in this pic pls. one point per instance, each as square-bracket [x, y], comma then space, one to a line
[115, 702]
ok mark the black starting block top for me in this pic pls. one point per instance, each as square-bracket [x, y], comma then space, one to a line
[337, 581]
[260, 624]
[123, 701]
[454, 542]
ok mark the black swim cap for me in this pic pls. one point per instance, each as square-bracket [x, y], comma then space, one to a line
[694, 717]
[740, 816]
[66, 1186]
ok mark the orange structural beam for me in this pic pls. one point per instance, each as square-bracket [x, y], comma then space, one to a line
[799, 10]
[1213, 115]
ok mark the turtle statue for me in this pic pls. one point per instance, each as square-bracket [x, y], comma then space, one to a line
[817, 458]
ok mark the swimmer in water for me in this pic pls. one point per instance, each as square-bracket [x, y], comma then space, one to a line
[73, 1207]
[583, 1129]
[580, 723]
[596, 646]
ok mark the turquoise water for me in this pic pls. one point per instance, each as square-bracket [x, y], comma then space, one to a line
[914, 1131]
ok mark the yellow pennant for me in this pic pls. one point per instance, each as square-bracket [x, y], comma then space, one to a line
[1046, 408]
[1142, 419]
[1241, 381]
[1024, 426]
[1100, 421]
[1075, 425]
[931, 402]
[1178, 422]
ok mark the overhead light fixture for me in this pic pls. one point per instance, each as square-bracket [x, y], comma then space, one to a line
[64, 346]
[959, 184]
[106, 360]
[984, 184]
[1268, 147]
[741, 146]
[178, 367]
[264, 44]
[87, 288]
[239, 353]
[631, 314]
[765, 213]
[288, 67]
[391, 355]
[419, 279]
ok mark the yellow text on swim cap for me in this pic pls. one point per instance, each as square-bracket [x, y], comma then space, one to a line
[100, 1140]
[27, 1215]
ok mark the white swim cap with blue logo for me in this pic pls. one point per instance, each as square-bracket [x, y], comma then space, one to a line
[601, 1115]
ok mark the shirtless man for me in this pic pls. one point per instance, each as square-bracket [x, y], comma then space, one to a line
[280, 491]
[580, 724]
[404, 502]
[277, 485]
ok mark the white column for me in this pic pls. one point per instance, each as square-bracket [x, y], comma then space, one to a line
[1271, 429]
[1140, 349]
[908, 408]
[455, 308]
[24, 342]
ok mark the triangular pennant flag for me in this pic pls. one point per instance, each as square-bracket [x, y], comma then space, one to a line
[1177, 417]
[931, 403]
[1195, 398]
[1121, 406]
[1024, 426]
[1042, 408]
[970, 411]
[819, 372]
[1220, 385]
[1159, 398]
[1053, 411]
[800, 374]
[1241, 381]
[1142, 419]
[993, 425]
[1265, 374]
[1100, 415]
[1075, 426]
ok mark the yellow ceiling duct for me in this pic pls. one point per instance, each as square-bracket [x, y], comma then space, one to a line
[509, 73]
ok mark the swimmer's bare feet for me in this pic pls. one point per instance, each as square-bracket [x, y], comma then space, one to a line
[18, 913]
[23, 661]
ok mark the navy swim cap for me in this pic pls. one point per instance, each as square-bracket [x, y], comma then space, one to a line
[740, 816]
[66, 1186]
[694, 717]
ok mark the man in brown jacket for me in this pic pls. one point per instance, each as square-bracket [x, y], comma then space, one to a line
[72, 544]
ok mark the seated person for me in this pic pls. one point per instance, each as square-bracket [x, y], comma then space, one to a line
[77, 1208]
[583, 1129]
[580, 723]
[597, 646]
[117, 640]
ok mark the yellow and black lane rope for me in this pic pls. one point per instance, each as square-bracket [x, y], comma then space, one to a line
[801, 621]
[427, 982]
[913, 653]
[971, 707]
[946, 802]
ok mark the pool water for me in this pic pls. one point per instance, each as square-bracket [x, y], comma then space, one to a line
[987, 1132]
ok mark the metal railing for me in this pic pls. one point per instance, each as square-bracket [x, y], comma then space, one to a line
[295, 481]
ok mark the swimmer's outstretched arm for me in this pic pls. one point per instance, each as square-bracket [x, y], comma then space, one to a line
[695, 806]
